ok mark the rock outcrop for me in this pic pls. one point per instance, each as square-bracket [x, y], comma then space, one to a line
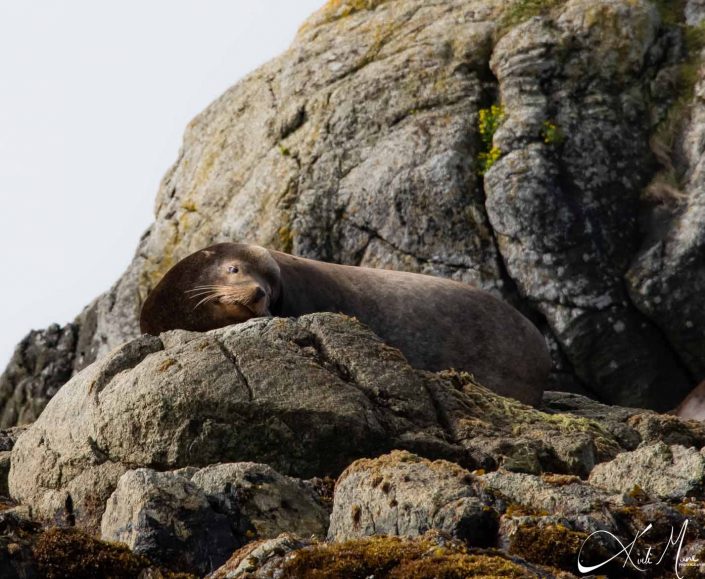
[361, 143]
[549, 152]
[41, 364]
[165, 443]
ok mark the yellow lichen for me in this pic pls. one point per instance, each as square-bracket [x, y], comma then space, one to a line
[396, 558]
[166, 364]
[552, 545]
[518, 11]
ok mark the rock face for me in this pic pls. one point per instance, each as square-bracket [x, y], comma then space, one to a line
[360, 145]
[560, 72]
[305, 396]
[41, 364]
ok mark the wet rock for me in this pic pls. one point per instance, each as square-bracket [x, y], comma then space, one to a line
[4, 472]
[17, 537]
[8, 437]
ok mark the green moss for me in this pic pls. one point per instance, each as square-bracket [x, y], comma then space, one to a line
[285, 152]
[343, 8]
[396, 558]
[488, 121]
[552, 134]
[519, 11]
[670, 11]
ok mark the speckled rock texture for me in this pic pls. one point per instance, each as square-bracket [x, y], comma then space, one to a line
[167, 518]
[184, 447]
[544, 519]
[260, 502]
[40, 365]
[305, 396]
[403, 495]
[360, 145]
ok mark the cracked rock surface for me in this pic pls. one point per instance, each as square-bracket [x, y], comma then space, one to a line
[360, 145]
[188, 447]
[305, 396]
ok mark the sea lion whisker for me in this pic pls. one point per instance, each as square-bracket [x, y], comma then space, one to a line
[207, 299]
[203, 293]
[205, 287]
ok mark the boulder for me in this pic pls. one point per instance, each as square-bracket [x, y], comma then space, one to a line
[305, 396]
[168, 519]
[261, 503]
[662, 471]
[402, 494]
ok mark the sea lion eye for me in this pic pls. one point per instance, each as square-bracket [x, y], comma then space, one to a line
[233, 269]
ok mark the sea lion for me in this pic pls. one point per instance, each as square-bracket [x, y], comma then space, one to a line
[435, 322]
[693, 405]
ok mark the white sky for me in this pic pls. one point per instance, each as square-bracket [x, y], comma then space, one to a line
[94, 98]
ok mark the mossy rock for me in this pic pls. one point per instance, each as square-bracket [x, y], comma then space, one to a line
[398, 558]
[72, 554]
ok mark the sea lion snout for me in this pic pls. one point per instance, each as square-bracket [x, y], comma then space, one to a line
[258, 294]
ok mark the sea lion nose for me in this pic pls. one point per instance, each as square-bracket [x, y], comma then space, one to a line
[259, 294]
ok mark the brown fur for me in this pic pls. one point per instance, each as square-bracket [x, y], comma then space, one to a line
[436, 323]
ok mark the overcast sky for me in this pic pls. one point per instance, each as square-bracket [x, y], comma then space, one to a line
[94, 98]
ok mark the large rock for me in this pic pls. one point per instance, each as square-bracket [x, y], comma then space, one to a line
[167, 518]
[567, 222]
[401, 494]
[360, 145]
[305, 396]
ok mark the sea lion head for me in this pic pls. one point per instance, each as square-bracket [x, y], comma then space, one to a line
[223, 284]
